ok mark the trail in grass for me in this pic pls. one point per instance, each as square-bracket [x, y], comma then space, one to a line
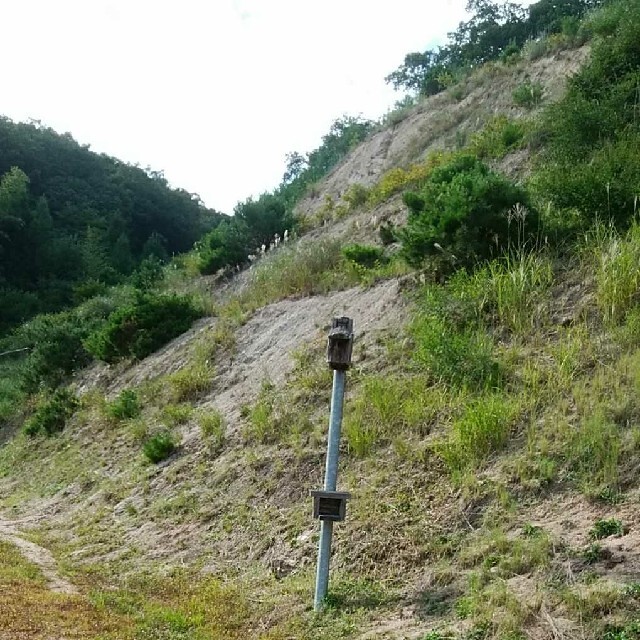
[38, 555]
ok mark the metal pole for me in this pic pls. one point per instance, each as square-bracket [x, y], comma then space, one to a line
[330, 481]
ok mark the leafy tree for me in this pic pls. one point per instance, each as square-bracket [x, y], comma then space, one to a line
[227, 245]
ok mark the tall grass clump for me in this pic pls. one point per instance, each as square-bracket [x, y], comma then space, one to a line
[461, 357]
[213, 428]
[391, 409]
[306, 269]
[517, 285]
[483, 429]
[594, 454]
[617, 271]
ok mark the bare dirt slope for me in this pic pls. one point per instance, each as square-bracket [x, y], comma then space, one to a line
[442, 121]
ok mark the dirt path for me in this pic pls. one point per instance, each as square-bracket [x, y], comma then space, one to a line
[37, 555]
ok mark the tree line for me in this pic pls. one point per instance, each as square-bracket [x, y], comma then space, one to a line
[73, 221]
[495, 30]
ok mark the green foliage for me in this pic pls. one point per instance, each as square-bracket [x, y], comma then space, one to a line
[190, 382]
[500, 136]
[56, 342]
[172, 415]
[69, 215]
[366, 256]
[227, 244]
[304, 171]
[617, 276]
[389, 409]
[159, 447]
[466, 211]
[125, 406]
[448, 341]
[52, 413]
[387, 233]
[592, 135]
[605, 528]
[483, 429]
[630, 631]
[516, 287]
[213, 428]
[593, 553]
[356, 195]
[528, 95]
[595, 451]
[495, 31]
[303, 269]
[458, 357]
[139, 328]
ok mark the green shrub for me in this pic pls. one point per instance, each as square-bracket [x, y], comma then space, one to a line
[528, 95]
[159, 447]
[606, 528]
[125, 406]
[356, 195]
[56, 349]
[52, 413]
[500, 136]
[366, 256]
[139, 328]
[387, 233]
[466, 210]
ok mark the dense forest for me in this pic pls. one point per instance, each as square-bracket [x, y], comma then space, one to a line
[73, 221]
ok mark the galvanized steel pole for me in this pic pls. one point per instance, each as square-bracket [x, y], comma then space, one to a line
[330, 482]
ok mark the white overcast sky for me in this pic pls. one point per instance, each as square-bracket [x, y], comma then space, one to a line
[213, 92]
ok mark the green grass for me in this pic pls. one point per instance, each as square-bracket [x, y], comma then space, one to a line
[615, 257]
[517, 287]
[213, 428]
[191, 382]
[483, 429]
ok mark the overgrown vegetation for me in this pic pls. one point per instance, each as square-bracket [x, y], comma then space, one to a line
[495, 31]
[138, 329]
[52, 413]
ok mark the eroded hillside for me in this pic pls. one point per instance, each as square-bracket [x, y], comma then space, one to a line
[490, 439]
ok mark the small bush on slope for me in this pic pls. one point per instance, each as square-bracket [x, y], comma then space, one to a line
[464, 209]
[139, 328]
[52, 414]
[125, 406]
